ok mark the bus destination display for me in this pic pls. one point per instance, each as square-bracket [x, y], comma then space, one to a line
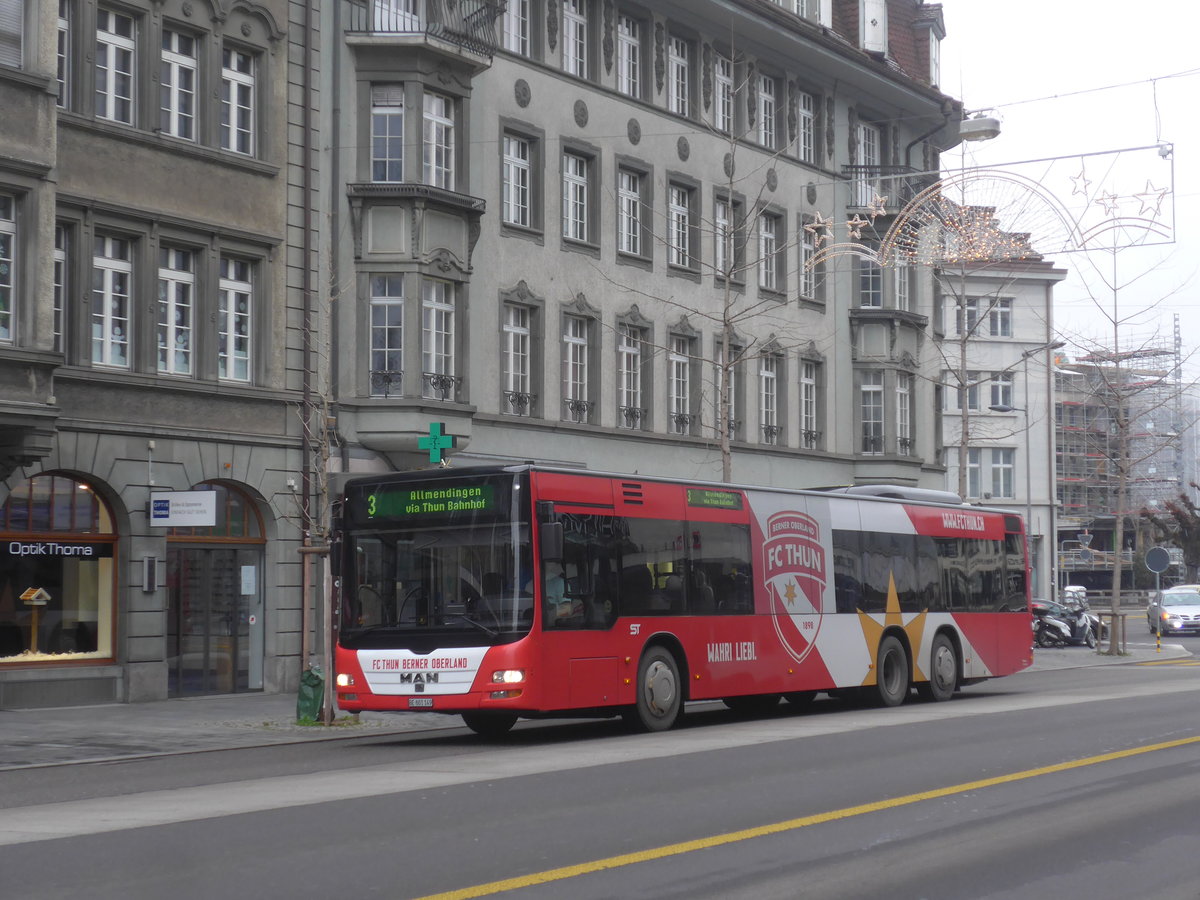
[402, 503]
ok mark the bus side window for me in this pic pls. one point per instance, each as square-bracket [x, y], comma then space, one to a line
[637, 585]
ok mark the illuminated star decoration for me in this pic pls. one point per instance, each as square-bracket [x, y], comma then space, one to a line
[855, 226]
[819, 228]
[873, 633]
[1108, 200]
[1152, 199]
[1081, 182]
[877, 208]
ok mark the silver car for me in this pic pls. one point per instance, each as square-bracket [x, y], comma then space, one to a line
[1176, 610]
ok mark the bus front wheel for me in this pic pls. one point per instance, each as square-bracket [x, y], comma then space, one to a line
[490, 725]
[659, 698]
[891, 672]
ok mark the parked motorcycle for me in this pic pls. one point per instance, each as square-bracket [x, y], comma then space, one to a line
[1071, 625]
[1049, 631]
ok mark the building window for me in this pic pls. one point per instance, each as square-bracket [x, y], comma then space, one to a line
[868, 162]
[12, 32]
[904, 273]
[176, 292]
[177, 85]
[516, 27]
[970, 389]
[723, 93]
[806, 108]
[726, 373]
[79, 616]
[576, 368]
[728, 246]
[810, 435]
[629, 212]
[871, 410]
[60, 284]
[575, 197]
[575, 37]
[8, 254]
[629, 56]
[808, 271]
[969, 317]
[63, 72]
[114, 66]
[935, 59]
[235, 309]
[396, 16]
[870, 283]
[974, 471]
[387, 335]
[438, 141]
[237, 101]
[1000, 318]
[678, 76]
[1001, 388]
[112, 275]
[516, 181]
[630, 411]
[438, 375]
[770, 252]
[904, 442]
[515, 352]
[679, 386]
[387, 132]
[679, 226]
[768, 89]
[1002, 472]
[768, 398]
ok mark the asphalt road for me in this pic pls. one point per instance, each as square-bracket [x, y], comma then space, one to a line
[928, 800]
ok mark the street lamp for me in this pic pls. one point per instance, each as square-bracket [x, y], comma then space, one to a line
[1006, 408]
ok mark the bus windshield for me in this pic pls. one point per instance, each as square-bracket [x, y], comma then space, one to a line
[444, 569]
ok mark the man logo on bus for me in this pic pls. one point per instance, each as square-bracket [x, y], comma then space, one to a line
[794, 567]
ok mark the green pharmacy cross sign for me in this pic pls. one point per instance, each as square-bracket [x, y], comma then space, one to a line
[437, 442]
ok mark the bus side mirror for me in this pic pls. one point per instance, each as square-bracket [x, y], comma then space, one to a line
[335, 558]
[551, 540]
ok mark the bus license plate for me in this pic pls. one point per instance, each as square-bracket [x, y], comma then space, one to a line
[420, 702]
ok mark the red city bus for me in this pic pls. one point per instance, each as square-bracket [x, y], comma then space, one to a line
[528, 591]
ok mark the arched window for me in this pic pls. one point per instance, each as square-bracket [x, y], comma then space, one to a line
[57, 572]
[237, 518]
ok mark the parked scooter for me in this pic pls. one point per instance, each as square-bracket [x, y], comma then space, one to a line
[1069, 625]
[1048, 629]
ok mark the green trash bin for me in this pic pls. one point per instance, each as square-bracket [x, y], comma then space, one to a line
[312, 693]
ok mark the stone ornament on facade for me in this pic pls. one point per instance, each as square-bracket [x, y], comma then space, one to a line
[634, 129]
[683, 148]
[772, 180]
[607, 43]
[727, 165]
[581, 114]
[521, 93]
[660, 60]
[706, 77]
[552, 24]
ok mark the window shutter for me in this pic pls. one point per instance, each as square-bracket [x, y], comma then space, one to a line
[12, 32]
[384, 94]
[874, 26]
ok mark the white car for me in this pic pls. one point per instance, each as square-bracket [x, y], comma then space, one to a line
[1175, 610]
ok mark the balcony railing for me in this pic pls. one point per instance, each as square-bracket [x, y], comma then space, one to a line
[438, 386]
[578, 411]
[520, 403]
[385, 382]
[895, 184]
[470, 24]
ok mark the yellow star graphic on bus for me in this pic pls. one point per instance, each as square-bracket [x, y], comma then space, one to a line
[789, 593]
[873, 633]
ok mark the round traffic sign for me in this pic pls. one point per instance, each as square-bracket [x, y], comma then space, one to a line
[1158, 559]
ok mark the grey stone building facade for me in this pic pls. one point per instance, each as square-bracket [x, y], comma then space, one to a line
[599, 233]
[246, 243]
[149, 341]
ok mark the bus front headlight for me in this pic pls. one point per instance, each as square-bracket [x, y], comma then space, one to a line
[508, 676]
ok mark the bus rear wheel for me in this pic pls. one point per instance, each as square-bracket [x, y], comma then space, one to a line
[943, 671]
[891, 672]
[659, 700]
[491, 725]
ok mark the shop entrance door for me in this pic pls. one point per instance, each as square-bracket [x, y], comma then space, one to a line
[214, 620]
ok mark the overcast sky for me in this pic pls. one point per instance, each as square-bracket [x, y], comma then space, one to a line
[1074, 78]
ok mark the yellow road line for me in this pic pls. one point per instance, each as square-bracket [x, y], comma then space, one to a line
[1171, 662]
[732, 837]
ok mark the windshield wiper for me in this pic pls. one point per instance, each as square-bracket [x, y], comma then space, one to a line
[470, 621]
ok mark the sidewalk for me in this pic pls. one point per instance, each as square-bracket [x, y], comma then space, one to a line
[47, 737]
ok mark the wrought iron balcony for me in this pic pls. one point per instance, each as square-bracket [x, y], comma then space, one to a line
[810, 440]
[681, 423]
[631, 416]
[469, 24]
[872, 444]
[579, 411]
[896, 185]
[439, 386]
[384, 381]
[771, 434]
[904, 446]
[520, 403]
